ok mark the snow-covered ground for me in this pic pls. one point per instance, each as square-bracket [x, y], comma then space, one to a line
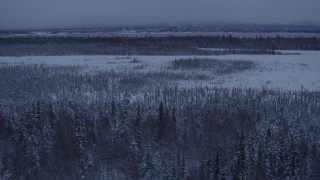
[286, 72]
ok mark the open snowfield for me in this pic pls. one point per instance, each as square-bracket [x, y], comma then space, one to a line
[286, 72]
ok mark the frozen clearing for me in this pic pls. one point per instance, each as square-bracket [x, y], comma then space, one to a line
[286, 72]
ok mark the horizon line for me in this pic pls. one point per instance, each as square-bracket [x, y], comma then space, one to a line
[165, 25]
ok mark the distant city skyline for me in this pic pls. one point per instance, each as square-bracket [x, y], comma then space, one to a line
[45, 14]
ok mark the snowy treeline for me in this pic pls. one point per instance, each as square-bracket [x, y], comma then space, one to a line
[58, 122]
[22, 46]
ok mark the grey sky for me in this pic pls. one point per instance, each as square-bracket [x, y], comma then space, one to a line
[31, 14]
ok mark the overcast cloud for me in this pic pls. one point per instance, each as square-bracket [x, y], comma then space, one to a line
[37, 14]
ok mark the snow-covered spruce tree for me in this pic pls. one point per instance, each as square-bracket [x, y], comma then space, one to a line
[161, 132]
[182, 166]
[103, 127]
[217, 165]
[210, 165]
[241, 163]
[251, 151]
[46, 133]
[148, 165]
[2, 125]
[113, 112]
[173, 127]
[31, 159]
[293, 166]
[80, 134]
[282, 160]
[7, 150]
[137, 127]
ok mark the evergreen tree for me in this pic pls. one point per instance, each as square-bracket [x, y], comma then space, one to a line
[251, 151]
[148, 165]
[209, 166]
[81, 142]
[282, 159]
[293, 165]
[161, 123]
[217, 166]
[2, 126]
[240, 170]
[31, 158]
[137, 127]
[174, 126]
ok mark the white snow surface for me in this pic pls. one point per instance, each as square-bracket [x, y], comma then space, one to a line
[285, 72]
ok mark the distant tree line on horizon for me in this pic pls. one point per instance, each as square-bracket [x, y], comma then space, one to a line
[171, 45]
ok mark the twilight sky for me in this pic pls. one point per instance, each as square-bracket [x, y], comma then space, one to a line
[38, 14]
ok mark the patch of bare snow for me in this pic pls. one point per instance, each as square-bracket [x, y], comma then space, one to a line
[287, 72]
